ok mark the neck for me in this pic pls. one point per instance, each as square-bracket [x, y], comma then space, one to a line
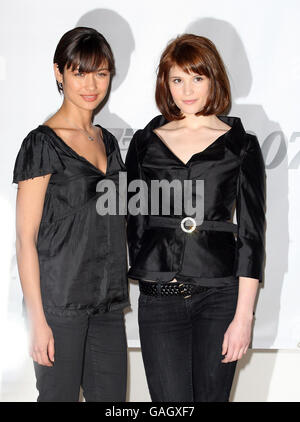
[191, 121]
[80, 117]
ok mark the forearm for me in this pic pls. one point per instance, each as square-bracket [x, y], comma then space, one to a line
[246, 298]
[29, 272]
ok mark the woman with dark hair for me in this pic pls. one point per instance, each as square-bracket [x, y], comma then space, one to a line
[198, 271]
[72, 259]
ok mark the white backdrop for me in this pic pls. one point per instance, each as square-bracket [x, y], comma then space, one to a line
[258, 41]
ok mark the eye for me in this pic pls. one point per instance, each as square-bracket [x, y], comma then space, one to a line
[102, 74]
[198, 78]
[79, 74]
[176, 80]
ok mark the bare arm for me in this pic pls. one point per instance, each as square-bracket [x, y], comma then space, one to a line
[247, 294]
[238, 335]
[29, 208]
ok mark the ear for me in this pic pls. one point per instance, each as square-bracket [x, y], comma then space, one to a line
[58, 75]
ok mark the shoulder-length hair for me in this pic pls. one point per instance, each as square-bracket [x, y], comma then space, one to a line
[84, 47]
[193, 53]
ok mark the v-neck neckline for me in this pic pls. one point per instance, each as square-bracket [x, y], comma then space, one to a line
[81, 156]
[163, 142]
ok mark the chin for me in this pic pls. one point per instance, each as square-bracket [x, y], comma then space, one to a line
[190, 111]
[89, 106]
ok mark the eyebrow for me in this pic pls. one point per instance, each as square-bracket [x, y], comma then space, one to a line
[196, 74]
[102, 68]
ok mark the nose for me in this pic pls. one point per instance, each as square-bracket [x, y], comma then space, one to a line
[187, 87]
[90, 81]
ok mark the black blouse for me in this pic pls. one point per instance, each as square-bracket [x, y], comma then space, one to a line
[82, 254]
[218, 251]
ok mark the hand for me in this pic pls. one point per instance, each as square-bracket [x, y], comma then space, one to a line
[236, 339]
[42, 344]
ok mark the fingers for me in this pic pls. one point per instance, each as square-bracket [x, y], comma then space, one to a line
[41, 357]
[234, 353]
[229, 355]
[225, 344]
[51, 349]
[241, 352]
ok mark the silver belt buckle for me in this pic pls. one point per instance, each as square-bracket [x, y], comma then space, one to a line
[192, 227]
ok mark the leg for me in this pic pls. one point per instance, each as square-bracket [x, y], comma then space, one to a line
[105, 361]
[165, 334]
[61, 382]
[212, 313]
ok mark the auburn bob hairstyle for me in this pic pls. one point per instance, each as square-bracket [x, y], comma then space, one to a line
[198, 55]
[85, 48]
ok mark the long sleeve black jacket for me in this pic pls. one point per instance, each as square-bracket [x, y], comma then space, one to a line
[218, 251]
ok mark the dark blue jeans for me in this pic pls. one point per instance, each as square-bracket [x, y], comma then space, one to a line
[181, 342]
[90, 351]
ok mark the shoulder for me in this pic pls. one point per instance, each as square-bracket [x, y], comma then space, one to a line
[250, 139]
[249, 148]
[38, 138]
[154, 123]
[237, 138]
[141, 137]
[37, 156]
[251, 155]
[40, 141]
[250, 143]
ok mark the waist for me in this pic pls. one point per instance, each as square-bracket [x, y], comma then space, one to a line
[189, 224]
[170, 289]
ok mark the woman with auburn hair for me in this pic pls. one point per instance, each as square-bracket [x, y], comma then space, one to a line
[72, 260]
[198, 276]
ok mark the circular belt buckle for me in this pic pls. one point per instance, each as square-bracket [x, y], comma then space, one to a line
[192, 227]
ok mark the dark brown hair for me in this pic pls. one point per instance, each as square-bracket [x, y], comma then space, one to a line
[199, 55]
[84, 47]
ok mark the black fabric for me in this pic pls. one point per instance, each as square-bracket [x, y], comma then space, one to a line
[90, 351]
[233, 171]
[82, 255]
[181, 343]
[174, 222]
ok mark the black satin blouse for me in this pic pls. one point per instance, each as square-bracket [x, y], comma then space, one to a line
[218, 251]
[82, 255]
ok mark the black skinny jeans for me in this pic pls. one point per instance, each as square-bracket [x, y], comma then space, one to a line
[90, 351]
[181, 342]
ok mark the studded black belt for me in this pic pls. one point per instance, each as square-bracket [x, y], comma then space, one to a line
[170, 289]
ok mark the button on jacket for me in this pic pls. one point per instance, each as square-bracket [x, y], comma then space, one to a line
[218, 251]
[82, 255]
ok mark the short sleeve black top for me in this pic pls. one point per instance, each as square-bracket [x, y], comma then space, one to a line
[82, 254]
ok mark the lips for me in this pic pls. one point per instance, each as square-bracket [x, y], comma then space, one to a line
[89, 98]
[189, 101]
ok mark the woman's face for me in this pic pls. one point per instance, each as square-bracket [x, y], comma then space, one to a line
[189, 90]
[85, 90]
